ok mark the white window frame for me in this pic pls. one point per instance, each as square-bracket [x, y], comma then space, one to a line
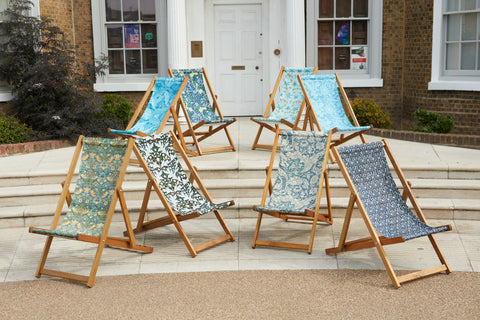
[439, 80]
[373, 78]
[5, 91]
[125, 82]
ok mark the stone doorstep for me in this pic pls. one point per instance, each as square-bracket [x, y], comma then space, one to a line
[33, 146]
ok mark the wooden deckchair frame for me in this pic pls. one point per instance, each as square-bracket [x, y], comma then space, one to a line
[313, 216]
[269, 109]
[376, 240]
[199, 136]
[173, 217]
[104, 239]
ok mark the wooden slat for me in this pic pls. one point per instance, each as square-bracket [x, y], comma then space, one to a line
[64, 275]
[421, 273]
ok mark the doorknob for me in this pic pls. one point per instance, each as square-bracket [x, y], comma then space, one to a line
[256, 67]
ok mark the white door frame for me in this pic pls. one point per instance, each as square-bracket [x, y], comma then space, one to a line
[210, 40]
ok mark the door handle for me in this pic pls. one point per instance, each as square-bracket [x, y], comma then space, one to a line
[256, 67]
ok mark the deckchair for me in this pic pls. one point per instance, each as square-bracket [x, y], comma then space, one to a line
[382, 207]
[163, 95]
[298, 186]
[324, 108]
[91, 207]
[181, 199]
[199, 112]
[289, 106]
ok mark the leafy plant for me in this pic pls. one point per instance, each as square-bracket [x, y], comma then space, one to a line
[117, 110]
[432, 122]
[12, 130]
[368, 113]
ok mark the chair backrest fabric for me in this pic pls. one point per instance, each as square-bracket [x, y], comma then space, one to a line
[162, 161]
[296, 186]
[290, 96]
[368, 169]
[195, 96]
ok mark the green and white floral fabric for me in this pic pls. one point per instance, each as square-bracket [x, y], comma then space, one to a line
[161, 159]
[299, 171]
[101, 162]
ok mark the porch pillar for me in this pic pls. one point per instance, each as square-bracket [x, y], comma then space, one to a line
[295, 33]
[177, 34]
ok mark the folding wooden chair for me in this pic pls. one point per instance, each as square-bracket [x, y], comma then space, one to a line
[383, 209]
[325, 110]
[181, 199]
[298, 186]
[289, 106]
[91, 207]
[200, 112]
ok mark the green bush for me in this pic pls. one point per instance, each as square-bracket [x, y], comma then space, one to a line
[116, 111]
[368, 113]
[12, 130]
[432, 122]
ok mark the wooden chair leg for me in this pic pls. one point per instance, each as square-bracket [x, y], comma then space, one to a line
[257, 230]
[43, 259]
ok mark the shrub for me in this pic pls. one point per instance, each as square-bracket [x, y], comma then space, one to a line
[368, 113]
[12, 130]
[432, 122]
[116, 111]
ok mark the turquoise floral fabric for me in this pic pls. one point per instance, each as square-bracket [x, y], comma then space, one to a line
[195, 97]
[290, 97]
[162, 97]
[368, 168]
[299, 171]
[161, 159]
[101, 161]
[323, 93]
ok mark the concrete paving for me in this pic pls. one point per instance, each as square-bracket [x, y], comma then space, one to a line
[20, 251]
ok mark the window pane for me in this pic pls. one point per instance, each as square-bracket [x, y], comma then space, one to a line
[114, 36]
[150, 61]
[453, 28]
[132, 58]
[469, 26]
[113, 8]
[149, 35]
[342, 32]
[115, 62]
[467, 4]
[132, 36]
[360, 8]
[343, 8]
[325, 9]
[450, 5]
[478, 57]
[452, 56]
[342, 58]
[359, 32]
[325, 33]
[468, 56]
[147, 10]
[325, 58]
[130, 10]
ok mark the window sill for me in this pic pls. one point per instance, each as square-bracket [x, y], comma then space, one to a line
[454, 85]
[124, 86]
[361, 83]
[5, 96]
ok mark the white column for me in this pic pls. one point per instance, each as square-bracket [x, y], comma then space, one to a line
[177, 34]
[294, 33]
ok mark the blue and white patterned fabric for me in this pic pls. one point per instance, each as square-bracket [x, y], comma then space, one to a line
[290, 98]
[296, 186]
[161, 159]
[368, 168]
[162, 97]
[195, 97]
[322, 90]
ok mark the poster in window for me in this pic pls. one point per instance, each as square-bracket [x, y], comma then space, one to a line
[132, 36]
[359, 58]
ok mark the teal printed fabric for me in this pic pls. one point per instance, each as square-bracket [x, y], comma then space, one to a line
[290, 98]
[299, 171]
[101, 162]
[162, 97]
[368, 168]
[195, 97]
[163, 163]
[322, 90]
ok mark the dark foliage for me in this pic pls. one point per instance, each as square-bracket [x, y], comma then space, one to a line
[432, 122]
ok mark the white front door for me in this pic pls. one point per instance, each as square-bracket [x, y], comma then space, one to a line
[238, 58]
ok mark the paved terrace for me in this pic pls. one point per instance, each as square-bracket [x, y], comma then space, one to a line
[20, 251]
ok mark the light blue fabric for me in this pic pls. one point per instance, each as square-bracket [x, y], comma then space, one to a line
[162, 97]
[299, 171]
[368, 168]
[195, 97]
[290, 97]
[322, 90]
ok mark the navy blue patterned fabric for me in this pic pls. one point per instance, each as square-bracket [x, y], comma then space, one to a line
[368, 168]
